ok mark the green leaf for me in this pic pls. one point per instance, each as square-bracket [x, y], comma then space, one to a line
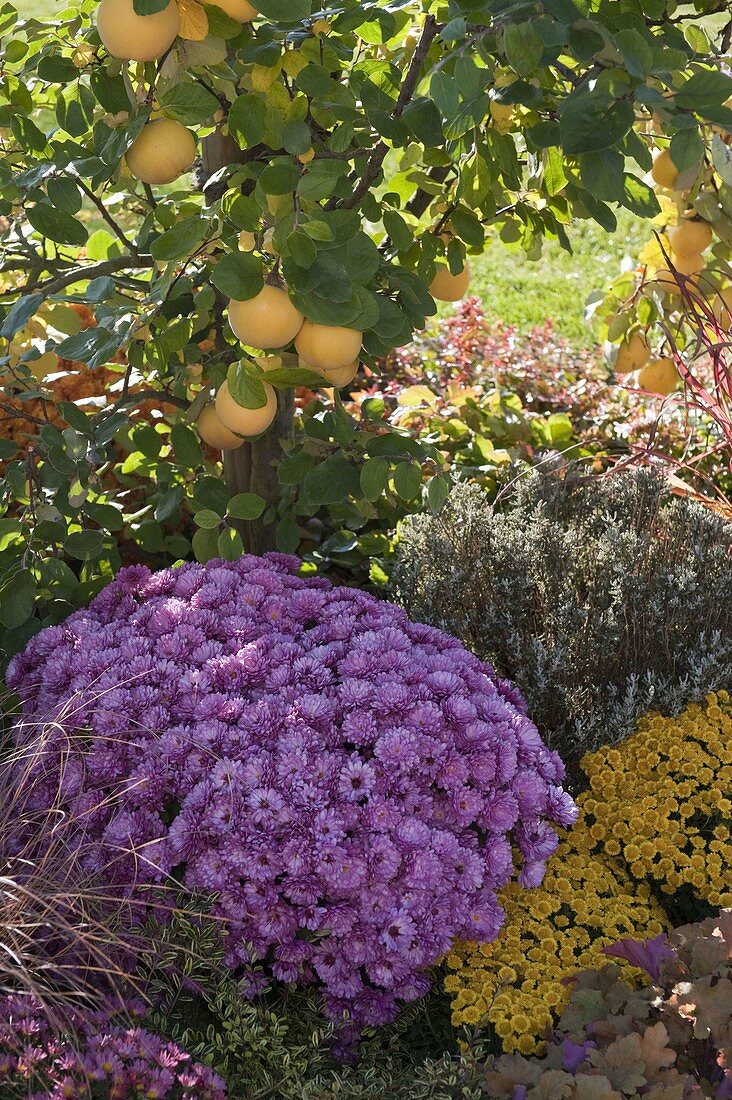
[186, 446]
[20, 312]
[246, 386]
[636, 53]
[407, 480]
[106, 515]
[149, 7]
[189, 103]
[248, 119]
[168, 503]
[400, 234]
[687, 148]
[554, 177]
[246, 506]
[331, 482]
[285, 11]
[374, 477]
[292, 470]
[301, 248]
[287, 536]
[280, 177]
[438, 490]
[523, 47]
[295, 376]
[230, 546]
[205, 545]
[238, 275]
[93, 345]
[64, 194]
[207, 519]
[17, 596]
[211, 492]
[722, 158]
[56, 225]
[709, 88]
[296, 137]
[57, 70]
[602, 173]
[181, 240]
[592, 121]
[84, 545]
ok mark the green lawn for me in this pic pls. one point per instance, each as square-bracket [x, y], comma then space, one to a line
[525, 292]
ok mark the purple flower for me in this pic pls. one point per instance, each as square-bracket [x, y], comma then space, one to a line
[104, 1046]
[352, 789]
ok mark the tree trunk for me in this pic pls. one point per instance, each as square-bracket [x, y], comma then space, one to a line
[250, 468]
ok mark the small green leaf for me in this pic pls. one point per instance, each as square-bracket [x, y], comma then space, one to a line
[181, 240]
[292, 470]
[374, 477]
[592, 121]
[296, 137]
[20, 312]
[210, 492]
[687, 148]
[207, 519]
[245, 385]
[287, 535]
[295, 376]
[438, 490]
[84, 545]
[238, 275]
[186, 446]
[407, 480]
[189, 103]
[149, 7]
[56, 225]
[332, 481]
[523, 47]
[246, 506]
[17, 595]
[230, 546]
[168, 503]
[205, 545]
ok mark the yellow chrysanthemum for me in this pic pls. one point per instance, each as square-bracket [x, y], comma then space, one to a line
[656, 812]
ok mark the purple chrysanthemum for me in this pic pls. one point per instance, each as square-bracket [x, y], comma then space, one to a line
[347, 783]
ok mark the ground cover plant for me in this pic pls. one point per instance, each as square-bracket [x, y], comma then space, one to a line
[664, 1037]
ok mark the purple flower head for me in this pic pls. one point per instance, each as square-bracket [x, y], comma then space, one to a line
[352, 789]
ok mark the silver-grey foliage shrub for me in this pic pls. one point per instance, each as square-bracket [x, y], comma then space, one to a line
[601, 598]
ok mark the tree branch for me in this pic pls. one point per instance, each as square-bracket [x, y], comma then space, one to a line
[372, 169]
[77, 274]
[107, 216]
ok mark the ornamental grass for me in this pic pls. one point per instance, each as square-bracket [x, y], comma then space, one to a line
[350, 789]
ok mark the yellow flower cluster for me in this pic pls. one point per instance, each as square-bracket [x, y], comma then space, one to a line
[662, 801]
[658, 814]
[516, 983]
